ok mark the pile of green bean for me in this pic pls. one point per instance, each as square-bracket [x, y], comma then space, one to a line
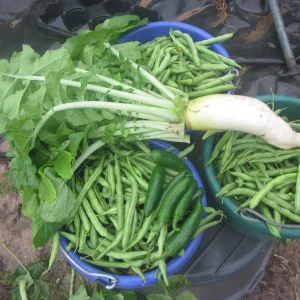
[137, 210]
[259, 176]
[183, 65]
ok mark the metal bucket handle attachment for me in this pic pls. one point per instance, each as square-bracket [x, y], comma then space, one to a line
[99, 275]
[259, 217]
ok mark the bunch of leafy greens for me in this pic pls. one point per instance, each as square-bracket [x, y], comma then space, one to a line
[27, 281]
[59, 108]
[98, 293]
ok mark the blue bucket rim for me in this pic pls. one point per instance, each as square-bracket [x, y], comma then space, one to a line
[197, 34]
[135, 281]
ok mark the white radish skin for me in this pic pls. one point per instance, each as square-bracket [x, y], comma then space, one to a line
[240, 113]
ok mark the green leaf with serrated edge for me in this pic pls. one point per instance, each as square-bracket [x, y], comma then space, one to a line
[41, 290]
[80, 294]
[11, 104]
[63, 164]
[42, 231]
[34, 106]
[158, 297]
[36, 292]
[175, 282]
[35, 269]
[30, 202]
[47, 193]
[52, 60]
[110, 31]
[23, 173]
[27, 59]
[18, 137]
[77, 117]
[63, 130]
[15, 293]
[75, 140]
[186, 295]
[130, 50]
[7, 88]
[88, 55]
[4, 67]
[63, 207]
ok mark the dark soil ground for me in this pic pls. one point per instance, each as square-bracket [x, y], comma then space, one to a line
[281, 281]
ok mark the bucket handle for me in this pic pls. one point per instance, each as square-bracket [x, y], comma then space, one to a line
[111, 279]
[243, 212]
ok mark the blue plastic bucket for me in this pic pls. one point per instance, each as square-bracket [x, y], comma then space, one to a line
[132, 282]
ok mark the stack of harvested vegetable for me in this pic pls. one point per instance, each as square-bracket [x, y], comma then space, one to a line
[183, 65]
[58, 109]
[123, 223]
[259, 176]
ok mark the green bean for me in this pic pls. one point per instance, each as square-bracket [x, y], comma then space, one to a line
[133, 171]
[173, 59]
[229, 61]
[218, 147]
[115, 241]
[118, 265]
[84, 219]
[90, 182]
[227, 151]
[286, 188]
[159, 58]
[217, 81]
[103, 182]
[198, 79]
[93, 237]
[119, 193]
[277, 218]
[114, 222]
[203, 50]
[166, 75]
[70, 236]
[172, 83]
[153, 56]
[213, 90]
[161, 263]
[291, 182]
[250, 185]
[205, 227]
[125, 180]
[179, 46]
[111, 180]
[133, 226]
[191, 45]
[297, 195]
[163, 65]
[214, 67]
[266, 213]
[144, 169]
[268, 187]
[77, 229]
[128, 220]
[82, 237]
[218, 39]
[95, 204]
[93, 218]
[142, 232]
[276, 172]
[226, 188]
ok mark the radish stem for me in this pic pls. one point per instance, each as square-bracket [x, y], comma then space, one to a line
[23, 292]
